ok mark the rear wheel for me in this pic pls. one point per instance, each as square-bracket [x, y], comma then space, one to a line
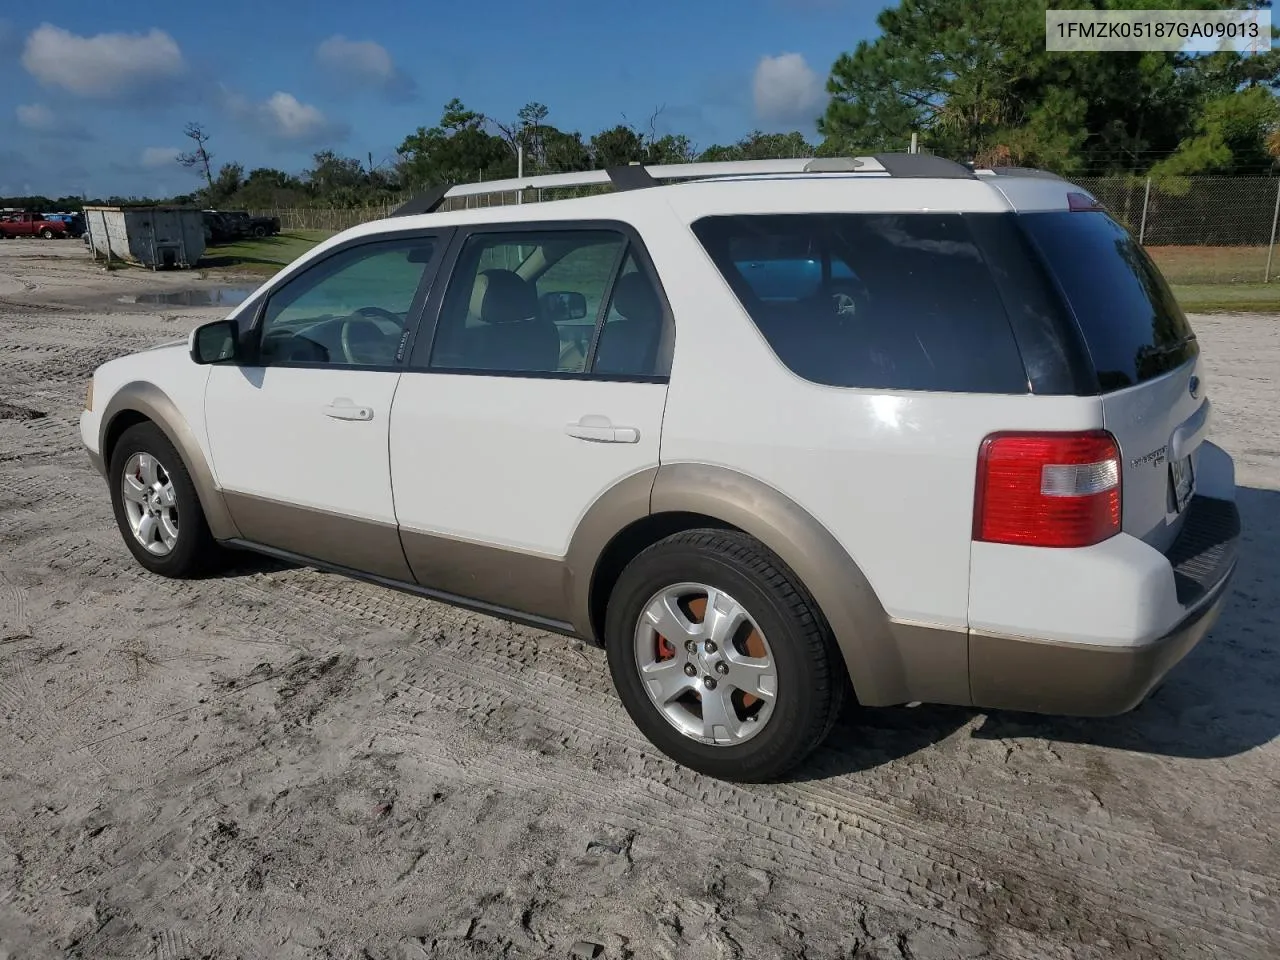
[720, 656]
[156, 505]
[47, 233]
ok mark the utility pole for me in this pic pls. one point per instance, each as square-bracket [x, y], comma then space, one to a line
[520, 171]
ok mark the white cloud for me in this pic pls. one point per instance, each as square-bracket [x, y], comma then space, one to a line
[786, 90]
[284, 118]
[36, 117]
[295, 120]
[153, 157]
[365, 63]
[359, 58]
[105, 66]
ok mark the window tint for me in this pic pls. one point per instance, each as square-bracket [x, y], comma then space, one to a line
[585, 270]
[890, 301]
[351, 308]
[525, 302]
[1130, 320]
[631, 338]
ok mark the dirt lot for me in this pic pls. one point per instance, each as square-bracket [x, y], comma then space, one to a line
[286, 764]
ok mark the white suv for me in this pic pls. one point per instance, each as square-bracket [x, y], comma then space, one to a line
[775, 433]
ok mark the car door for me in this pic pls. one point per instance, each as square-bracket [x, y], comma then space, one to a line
[298, 433]
[539, 387]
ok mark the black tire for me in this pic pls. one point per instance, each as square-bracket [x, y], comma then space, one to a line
[811, 682]
[259, 231]
[195, 552]
[47, 233]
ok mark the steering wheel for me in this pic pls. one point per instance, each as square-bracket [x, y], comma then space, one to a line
[379, 312]
[369, 327]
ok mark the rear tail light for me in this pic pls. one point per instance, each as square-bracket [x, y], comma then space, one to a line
[1048, 489]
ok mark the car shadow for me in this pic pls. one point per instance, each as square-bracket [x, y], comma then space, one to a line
[246, 563]
[865, 738]
[1223, 699]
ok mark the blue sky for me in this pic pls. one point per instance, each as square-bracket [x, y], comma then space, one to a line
[96, 95]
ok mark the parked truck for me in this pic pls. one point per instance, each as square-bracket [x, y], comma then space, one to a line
[31, 225]
[229, 225]
[74, 222]
[256, 226]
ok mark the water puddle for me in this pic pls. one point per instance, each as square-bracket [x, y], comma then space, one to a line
[217, 297]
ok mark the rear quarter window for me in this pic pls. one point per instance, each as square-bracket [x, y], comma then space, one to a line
[885, 301]
[1130, 321]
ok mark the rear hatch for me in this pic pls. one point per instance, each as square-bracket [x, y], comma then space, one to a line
[1145, 356]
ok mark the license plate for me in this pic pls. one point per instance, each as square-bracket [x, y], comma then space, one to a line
[1182, 478]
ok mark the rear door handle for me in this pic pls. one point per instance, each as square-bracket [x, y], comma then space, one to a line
[598, 429]
[343, 409]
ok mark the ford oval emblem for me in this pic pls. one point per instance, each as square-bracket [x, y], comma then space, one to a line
[1194, 386]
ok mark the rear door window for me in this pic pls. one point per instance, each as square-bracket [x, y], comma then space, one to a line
[1130, 321]
[887, 301]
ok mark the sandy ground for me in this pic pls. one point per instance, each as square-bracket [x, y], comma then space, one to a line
[282, 763]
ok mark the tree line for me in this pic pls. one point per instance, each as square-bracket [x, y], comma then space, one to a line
[971, 79]
[463, 146]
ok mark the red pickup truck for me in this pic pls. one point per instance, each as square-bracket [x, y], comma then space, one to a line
[31, 225]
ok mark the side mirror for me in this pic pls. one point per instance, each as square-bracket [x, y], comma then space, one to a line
[213, 342]
[561, 305]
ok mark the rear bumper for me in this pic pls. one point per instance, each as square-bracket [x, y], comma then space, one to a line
[1097, 679]
[1081, 680]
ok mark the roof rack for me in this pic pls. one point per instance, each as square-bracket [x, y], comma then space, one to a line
[923, 165]
[1018, 172]
[637, 176]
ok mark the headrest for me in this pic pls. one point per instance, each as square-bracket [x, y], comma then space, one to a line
[501, 296]
[635, 299]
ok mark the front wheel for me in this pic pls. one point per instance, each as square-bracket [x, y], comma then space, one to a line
[156, 505]
[721, 658]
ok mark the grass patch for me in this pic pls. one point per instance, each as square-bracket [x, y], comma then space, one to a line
[262, 256]
[1199, 265]
[1228, 297]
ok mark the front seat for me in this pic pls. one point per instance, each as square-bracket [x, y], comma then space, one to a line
[629, 344]
[512, 335]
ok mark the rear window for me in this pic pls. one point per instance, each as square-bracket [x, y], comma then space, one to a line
[1130, 321]
[889, 301]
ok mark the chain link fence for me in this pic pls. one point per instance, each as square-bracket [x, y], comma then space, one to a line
[1202, 230]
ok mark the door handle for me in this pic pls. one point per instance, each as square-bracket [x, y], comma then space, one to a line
[343, 409]
[598, 429]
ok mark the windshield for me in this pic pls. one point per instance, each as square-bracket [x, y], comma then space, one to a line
[1129, 318]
